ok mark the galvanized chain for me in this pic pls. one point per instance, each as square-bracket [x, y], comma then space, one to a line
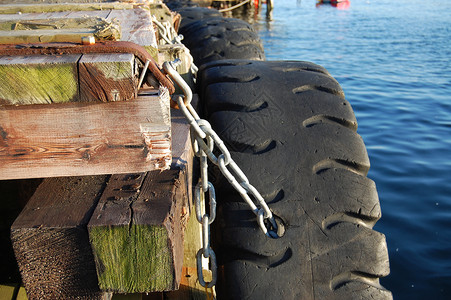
[204, 141]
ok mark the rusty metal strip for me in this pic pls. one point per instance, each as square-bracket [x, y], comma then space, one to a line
[100, 47]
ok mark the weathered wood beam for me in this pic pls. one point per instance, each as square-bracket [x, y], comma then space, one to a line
[190, 288]
[8, 291]
[74, 139]
[47, 30]
[14, 8]
[137, 229]
[136, 235]
[136, 25]
[61, 14]
[38, 79]
[42, 79]
[51, 242]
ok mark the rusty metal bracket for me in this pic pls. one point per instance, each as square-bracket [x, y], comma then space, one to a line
[100, 47]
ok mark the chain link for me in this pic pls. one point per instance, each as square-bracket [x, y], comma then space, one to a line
[204, 140]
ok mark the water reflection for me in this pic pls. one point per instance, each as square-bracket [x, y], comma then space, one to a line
[339, 4]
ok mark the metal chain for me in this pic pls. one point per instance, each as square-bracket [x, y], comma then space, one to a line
[204, 140]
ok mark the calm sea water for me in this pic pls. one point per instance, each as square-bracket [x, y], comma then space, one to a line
[392, 59]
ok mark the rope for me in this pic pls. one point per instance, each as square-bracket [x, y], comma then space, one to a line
[233, 7]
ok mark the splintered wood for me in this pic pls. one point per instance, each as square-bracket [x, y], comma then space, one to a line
[84, 138]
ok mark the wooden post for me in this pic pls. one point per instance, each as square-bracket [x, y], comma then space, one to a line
[51, 243]
[136, 235]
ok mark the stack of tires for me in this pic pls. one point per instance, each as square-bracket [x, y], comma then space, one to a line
[291, 130]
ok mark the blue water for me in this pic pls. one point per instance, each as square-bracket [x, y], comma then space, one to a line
[392, 58]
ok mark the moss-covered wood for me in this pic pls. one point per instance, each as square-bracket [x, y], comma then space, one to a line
[38, 79]
[8, 291]
[42, 79]
[133, 258]
[136, 232]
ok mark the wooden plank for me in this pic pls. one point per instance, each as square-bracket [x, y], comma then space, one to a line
[22, 294]
[46, 233]
[13, 196]
[54, 15]
[8, 291]
[107, 77]
[136, 25]
[136, 231]
[15, 8]
[51, 243]
[190, 288]
[49, 30]
[43, 79]
[38, 79]
[45, 36]
[74, 139]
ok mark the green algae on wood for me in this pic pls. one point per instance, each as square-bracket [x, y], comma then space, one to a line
[136, 232]
[38, 79]
[132, 258]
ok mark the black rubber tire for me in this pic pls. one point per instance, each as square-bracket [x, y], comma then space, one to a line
[179, 4]
[294, 135]
[194, 14]
[220, 38]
